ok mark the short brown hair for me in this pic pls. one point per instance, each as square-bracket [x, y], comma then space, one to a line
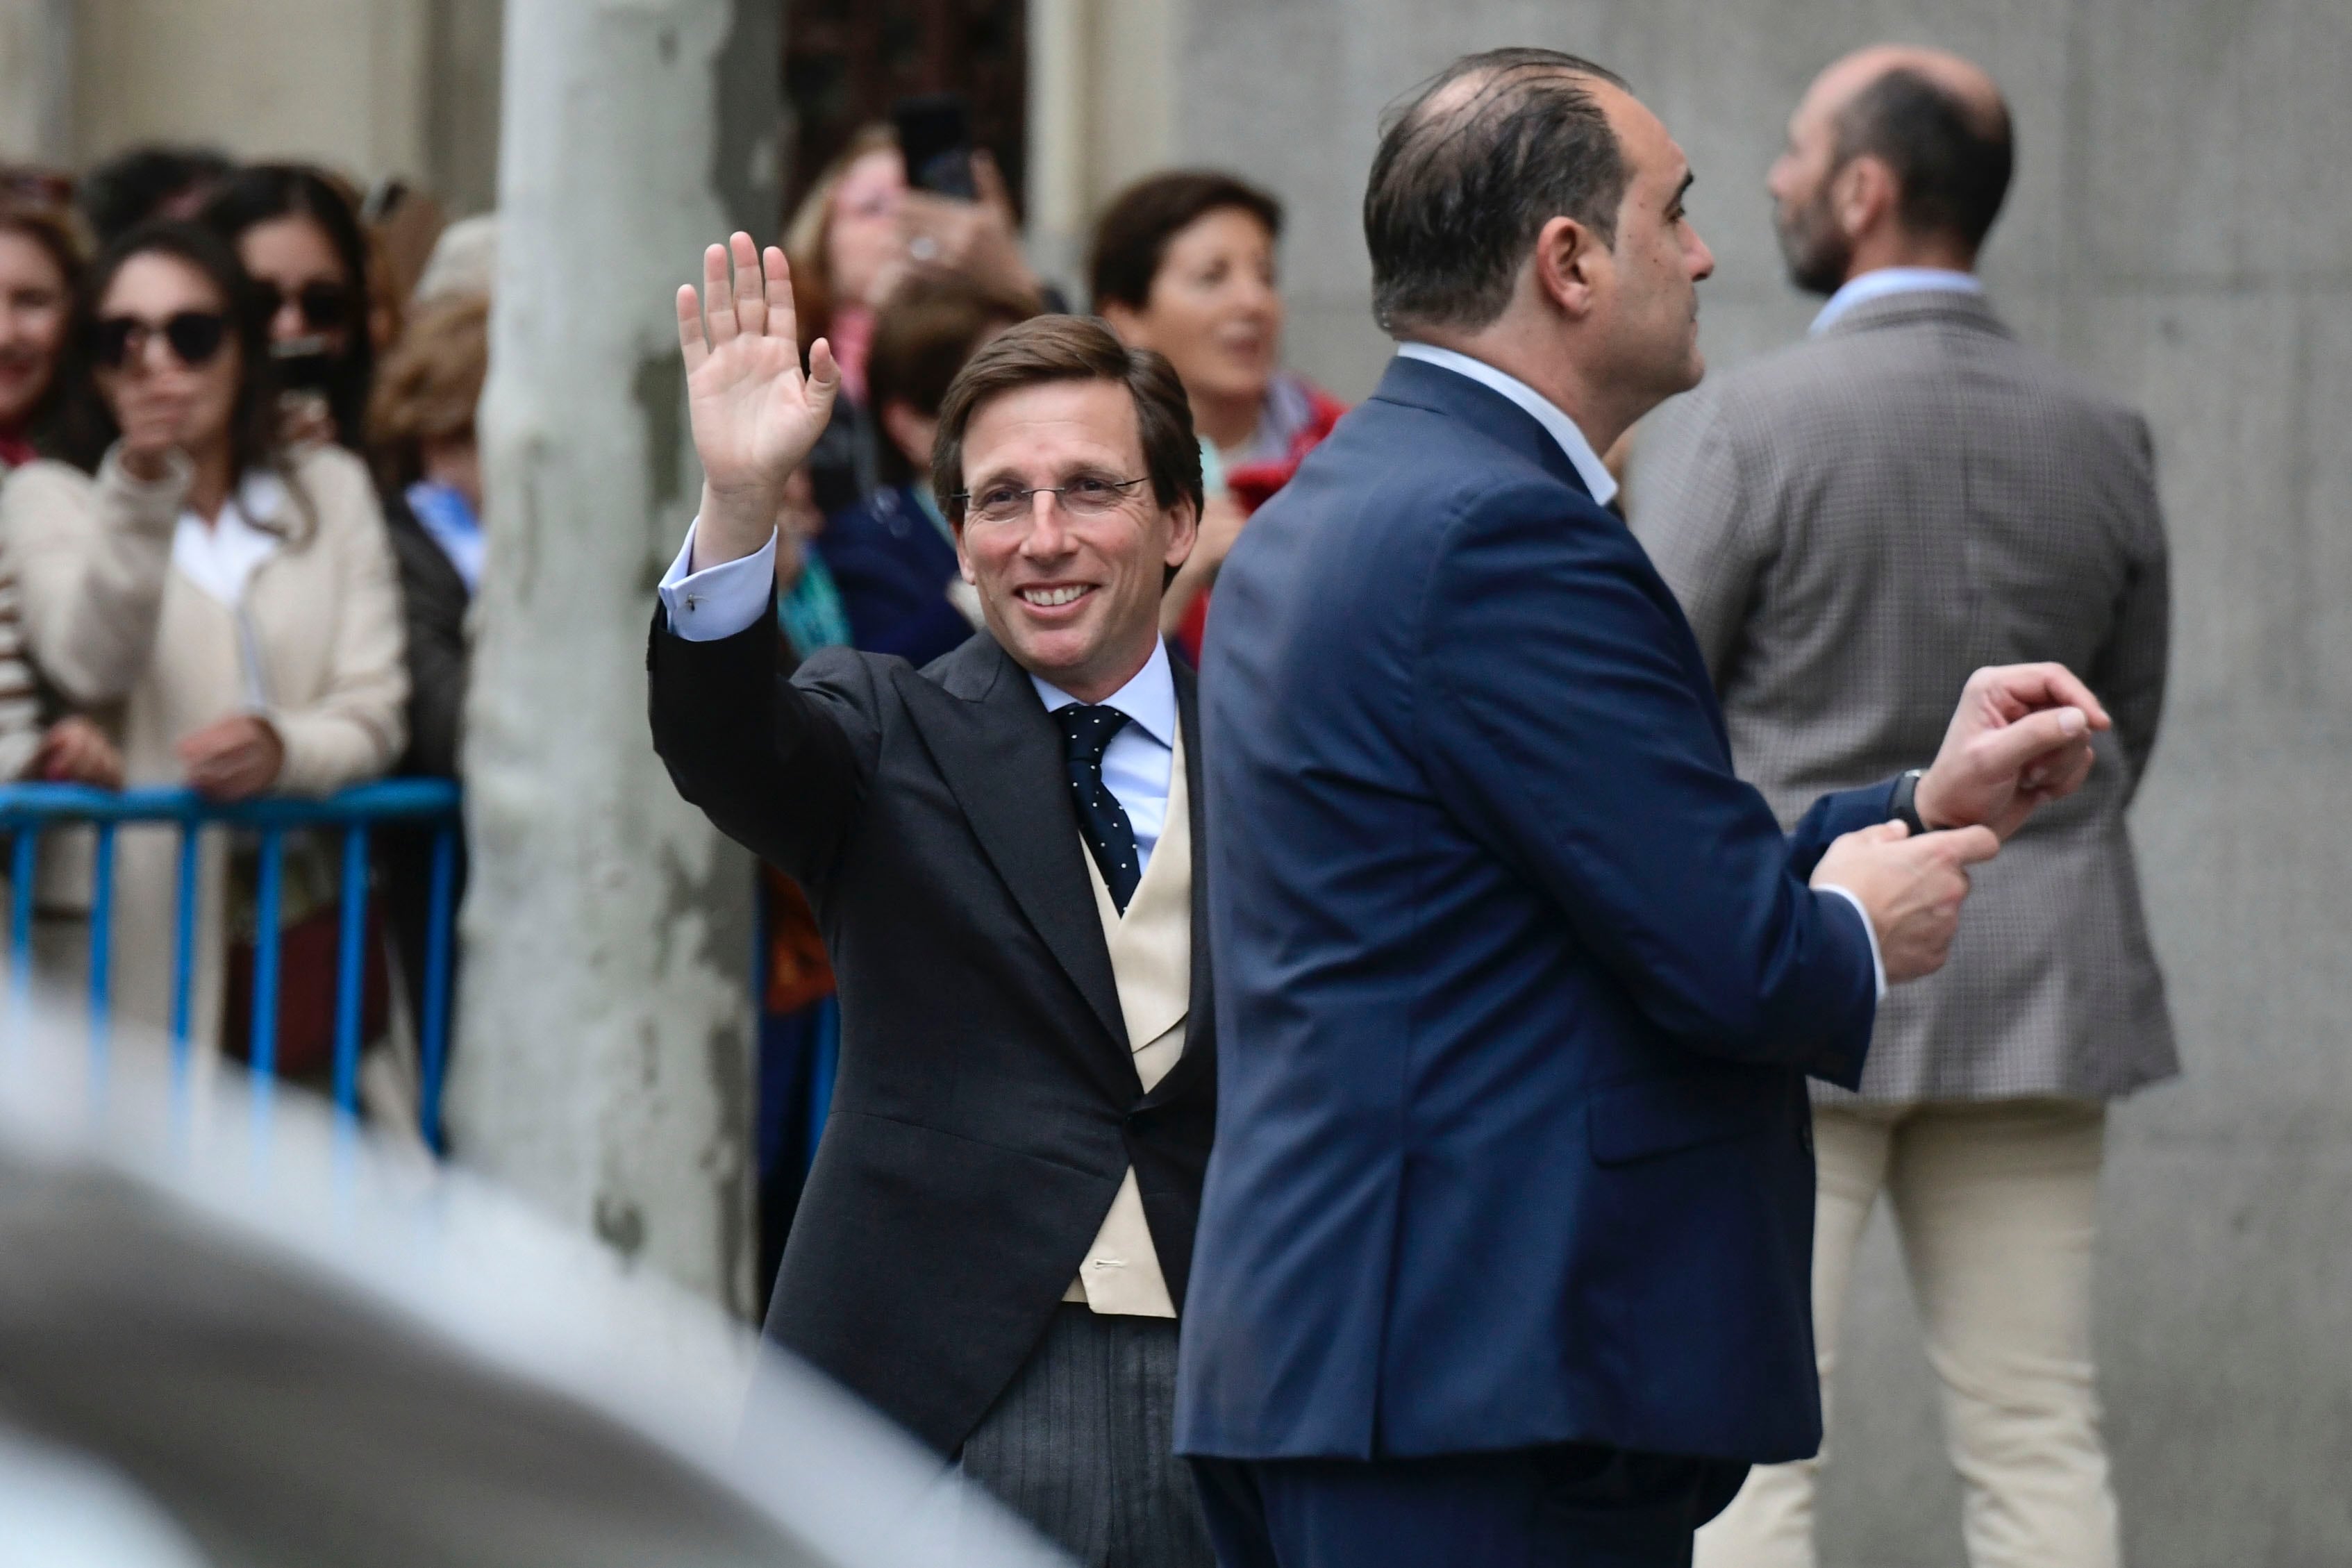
[430, 383]
[922, 337]
[1133, 237]
[1046, 349]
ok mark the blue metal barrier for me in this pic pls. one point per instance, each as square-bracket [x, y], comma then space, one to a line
[28, 810]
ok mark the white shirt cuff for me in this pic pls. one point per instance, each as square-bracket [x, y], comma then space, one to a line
[1877, 965]
[718, 601]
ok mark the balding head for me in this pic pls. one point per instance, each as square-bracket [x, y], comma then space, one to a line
[1936, 132]
[1471, 168]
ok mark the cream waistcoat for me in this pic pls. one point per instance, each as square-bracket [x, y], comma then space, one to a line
[1152, 959]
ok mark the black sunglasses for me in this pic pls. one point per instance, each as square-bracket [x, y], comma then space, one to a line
[324, 306]
[194, 336]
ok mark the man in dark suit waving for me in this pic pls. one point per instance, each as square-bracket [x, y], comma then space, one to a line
[1001, 851]
[1503, 1257]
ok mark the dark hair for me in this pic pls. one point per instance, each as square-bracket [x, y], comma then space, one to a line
[925, 332]
[131, 187]
[1952, 158]
[1459, 192]
[51, 229]
[86, 427]
[1046, 349]
[266, 192]
[1132, 236]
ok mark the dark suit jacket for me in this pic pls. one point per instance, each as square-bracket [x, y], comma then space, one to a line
[893, 568]
[1517, 984]
[987, 1105]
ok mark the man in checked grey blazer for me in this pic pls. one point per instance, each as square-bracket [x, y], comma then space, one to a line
[1853, 525]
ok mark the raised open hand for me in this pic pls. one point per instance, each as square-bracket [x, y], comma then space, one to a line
[755, 414]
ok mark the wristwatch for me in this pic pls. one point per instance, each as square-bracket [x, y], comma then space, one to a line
[1905, 807]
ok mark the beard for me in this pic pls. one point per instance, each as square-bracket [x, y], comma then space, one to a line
[1817, 254]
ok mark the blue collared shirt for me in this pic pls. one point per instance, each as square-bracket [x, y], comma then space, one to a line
[719, 601]
[1543, 410]
[1889, 280]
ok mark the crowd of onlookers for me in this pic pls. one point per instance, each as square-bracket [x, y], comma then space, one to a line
[238, 438]
[243, 522]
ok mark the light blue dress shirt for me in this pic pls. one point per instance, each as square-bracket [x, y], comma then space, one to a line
[1889, 280]
[1597, 480]
[719, 601]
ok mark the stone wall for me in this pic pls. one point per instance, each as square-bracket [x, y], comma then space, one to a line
[2181, 230]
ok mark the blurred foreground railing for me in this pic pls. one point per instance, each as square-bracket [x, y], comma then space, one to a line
[28, 811]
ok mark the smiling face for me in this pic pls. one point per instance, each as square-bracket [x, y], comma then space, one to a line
[154, 387]
[32, 324]
[1075, 599]
[1213, 309]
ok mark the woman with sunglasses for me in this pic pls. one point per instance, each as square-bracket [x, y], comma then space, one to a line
[222, 607]
[300, 239]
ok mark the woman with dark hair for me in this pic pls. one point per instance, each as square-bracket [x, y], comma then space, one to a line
[299, 238]
[220, 608]
[1184, 263]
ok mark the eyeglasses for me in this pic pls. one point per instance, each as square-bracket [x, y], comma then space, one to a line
[324, 306]
[1086, 496]
[194, 336]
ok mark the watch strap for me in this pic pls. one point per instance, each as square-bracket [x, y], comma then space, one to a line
[1903, 808]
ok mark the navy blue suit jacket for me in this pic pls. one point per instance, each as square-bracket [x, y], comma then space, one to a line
[1517, 984]
[893, 569]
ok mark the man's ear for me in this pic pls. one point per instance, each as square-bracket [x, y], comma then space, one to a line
[1184, 533]
[1864, 194]
[1568, 261]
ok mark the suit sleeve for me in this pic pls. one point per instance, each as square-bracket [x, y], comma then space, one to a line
[2130, 671]
[1567, 726]
[1705, 524]
[780, 765]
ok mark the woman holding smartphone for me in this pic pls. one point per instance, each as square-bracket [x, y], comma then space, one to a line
[299, 238]
[218, 607]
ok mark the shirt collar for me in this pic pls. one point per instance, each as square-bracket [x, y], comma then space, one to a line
[1589, 466]
[1149, 700]
[1889, 280]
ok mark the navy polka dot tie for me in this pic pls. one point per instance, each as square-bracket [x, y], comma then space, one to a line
[1085, 733]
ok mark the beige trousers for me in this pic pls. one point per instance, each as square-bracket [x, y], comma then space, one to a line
[1995, 1204]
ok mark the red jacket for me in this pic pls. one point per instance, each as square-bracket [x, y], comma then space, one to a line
[1250, 485]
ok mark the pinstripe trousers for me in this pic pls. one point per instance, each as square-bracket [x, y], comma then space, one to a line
[1081, 1445]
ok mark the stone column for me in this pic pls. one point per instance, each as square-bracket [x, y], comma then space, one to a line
[603, 1059]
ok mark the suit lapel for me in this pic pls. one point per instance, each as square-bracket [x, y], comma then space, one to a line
[1001, 756]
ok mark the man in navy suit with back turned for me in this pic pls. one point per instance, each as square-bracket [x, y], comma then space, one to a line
[1503, 1255]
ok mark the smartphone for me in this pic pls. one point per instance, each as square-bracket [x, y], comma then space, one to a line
[303, 363]
[935, 138]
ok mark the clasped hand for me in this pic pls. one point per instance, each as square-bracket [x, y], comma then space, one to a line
[2020, 739]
